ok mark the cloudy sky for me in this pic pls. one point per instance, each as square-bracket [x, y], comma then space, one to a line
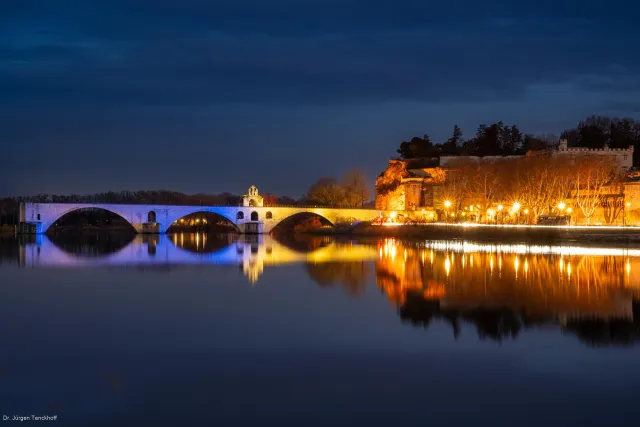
[216, 95]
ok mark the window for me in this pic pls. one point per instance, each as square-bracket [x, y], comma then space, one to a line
[254, 216]
[151, 216]
[625, 157]
[38, 217]
[240, 215]
[269, 215]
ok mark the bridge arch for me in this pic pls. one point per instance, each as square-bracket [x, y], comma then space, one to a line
[298, 217]
[185, 218]
[52, 219]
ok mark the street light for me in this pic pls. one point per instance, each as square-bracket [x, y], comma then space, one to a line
[624, 214]
[561, 206]
[447, 205]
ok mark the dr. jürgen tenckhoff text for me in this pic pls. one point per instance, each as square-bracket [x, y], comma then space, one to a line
[29, 418]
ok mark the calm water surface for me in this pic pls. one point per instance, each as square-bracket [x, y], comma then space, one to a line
[211, 330]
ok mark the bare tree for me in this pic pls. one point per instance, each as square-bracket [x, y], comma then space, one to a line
[356, 189]
[594, 178]
[326, 192]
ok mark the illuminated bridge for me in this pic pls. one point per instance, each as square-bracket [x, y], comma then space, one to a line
[251, 217]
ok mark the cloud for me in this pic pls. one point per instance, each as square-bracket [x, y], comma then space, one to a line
[295, 52]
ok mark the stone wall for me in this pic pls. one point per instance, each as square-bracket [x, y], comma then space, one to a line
[389, 191]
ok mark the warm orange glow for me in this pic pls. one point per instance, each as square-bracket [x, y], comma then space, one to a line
[500, 207]
[561, 206]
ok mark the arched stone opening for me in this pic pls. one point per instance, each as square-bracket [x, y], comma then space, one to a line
[269, 215]
[203, 221]
[252, 202]
[240, 215]
[94, 219]
[151, 216]
[254, 216]
[301, 221]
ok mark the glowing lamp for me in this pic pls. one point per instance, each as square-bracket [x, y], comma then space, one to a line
[515, 207]
[569, 210]
[500, 207]
[447, 203]
[561, 206]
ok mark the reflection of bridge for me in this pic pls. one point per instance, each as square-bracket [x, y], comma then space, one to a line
[252, 255]
[43, 215]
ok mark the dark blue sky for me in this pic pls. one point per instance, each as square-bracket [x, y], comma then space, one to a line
[213, 95]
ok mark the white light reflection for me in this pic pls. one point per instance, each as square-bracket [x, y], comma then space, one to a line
[530, 249]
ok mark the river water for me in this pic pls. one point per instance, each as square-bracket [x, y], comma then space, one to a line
[197, 329]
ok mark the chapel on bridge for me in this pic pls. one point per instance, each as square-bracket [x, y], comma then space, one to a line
[252, 198]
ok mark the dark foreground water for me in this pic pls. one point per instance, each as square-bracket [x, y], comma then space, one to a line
[204, 330]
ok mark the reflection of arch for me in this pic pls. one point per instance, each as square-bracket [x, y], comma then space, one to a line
[254, 216]
[80, 209]
[91, 245]
[197, 243]
[269, 215]
[151, 216]
[240, 215]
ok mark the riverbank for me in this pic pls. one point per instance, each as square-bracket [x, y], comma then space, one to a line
[512, 234]
[7, 230]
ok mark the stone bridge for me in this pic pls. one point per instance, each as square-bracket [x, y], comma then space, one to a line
[141, 217]
[250, 217]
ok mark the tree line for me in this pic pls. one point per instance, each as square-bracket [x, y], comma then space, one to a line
[537, 184]
[500, 139]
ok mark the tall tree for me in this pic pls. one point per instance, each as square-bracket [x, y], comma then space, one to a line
[452, 145]
[417, 148]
